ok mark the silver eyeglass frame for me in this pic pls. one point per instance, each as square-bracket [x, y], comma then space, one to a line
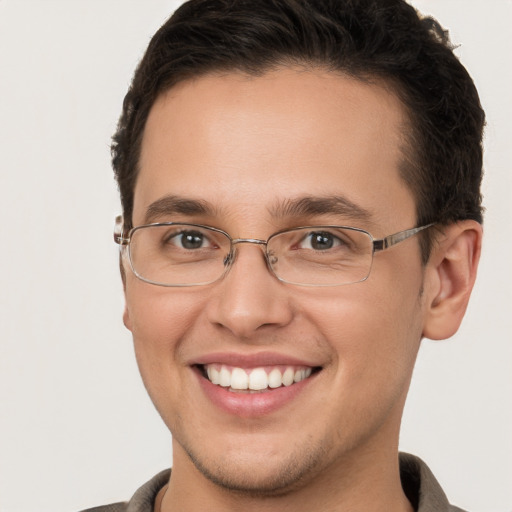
[378, 245]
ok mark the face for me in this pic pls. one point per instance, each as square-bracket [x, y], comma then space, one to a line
[240, 149]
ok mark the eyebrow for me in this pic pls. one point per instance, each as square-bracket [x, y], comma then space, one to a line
[305, 206]
[172, 205]
[309, 206]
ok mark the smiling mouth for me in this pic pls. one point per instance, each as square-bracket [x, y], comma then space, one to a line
[255, 380]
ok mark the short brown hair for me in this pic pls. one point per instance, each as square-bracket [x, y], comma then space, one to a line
[366, 39]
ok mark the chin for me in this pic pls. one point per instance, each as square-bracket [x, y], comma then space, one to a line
[258, 474]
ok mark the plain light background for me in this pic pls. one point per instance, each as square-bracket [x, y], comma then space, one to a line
[76, 426]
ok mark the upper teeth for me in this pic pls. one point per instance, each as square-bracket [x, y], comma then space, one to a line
[256, 378]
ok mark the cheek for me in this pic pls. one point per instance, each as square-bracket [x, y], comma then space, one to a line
[374, 332]
[158, 315]
[159, 319]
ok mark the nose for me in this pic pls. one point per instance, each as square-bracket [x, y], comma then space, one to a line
[249, 299]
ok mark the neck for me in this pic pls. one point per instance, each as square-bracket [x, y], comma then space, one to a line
[366, 482]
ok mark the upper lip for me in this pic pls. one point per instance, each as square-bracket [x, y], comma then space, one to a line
[251, 360]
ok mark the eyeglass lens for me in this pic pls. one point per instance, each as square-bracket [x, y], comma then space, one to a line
[184, 255]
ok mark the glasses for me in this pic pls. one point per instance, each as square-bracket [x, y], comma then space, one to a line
[181, 254]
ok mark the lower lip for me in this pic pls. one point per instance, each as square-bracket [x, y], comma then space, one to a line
[251, 404]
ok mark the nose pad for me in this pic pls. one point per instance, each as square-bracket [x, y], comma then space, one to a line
[231, 257]
[271, 259]
[247, 300]
[228, 260]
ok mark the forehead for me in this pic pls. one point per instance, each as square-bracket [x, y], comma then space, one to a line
[244, 144]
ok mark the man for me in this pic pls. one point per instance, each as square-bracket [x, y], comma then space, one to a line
[301, 206]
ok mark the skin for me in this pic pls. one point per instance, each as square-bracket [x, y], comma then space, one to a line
[243, 144]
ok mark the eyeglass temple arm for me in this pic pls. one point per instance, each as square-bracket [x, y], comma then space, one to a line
[396, 238]
[118, 232]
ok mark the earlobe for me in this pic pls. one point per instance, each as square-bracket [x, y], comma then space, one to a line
[126, 314]
[126, 318]
[449, 278]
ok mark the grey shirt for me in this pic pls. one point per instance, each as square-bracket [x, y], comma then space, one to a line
[418, 482]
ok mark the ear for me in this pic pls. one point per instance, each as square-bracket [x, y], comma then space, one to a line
[449, 278]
